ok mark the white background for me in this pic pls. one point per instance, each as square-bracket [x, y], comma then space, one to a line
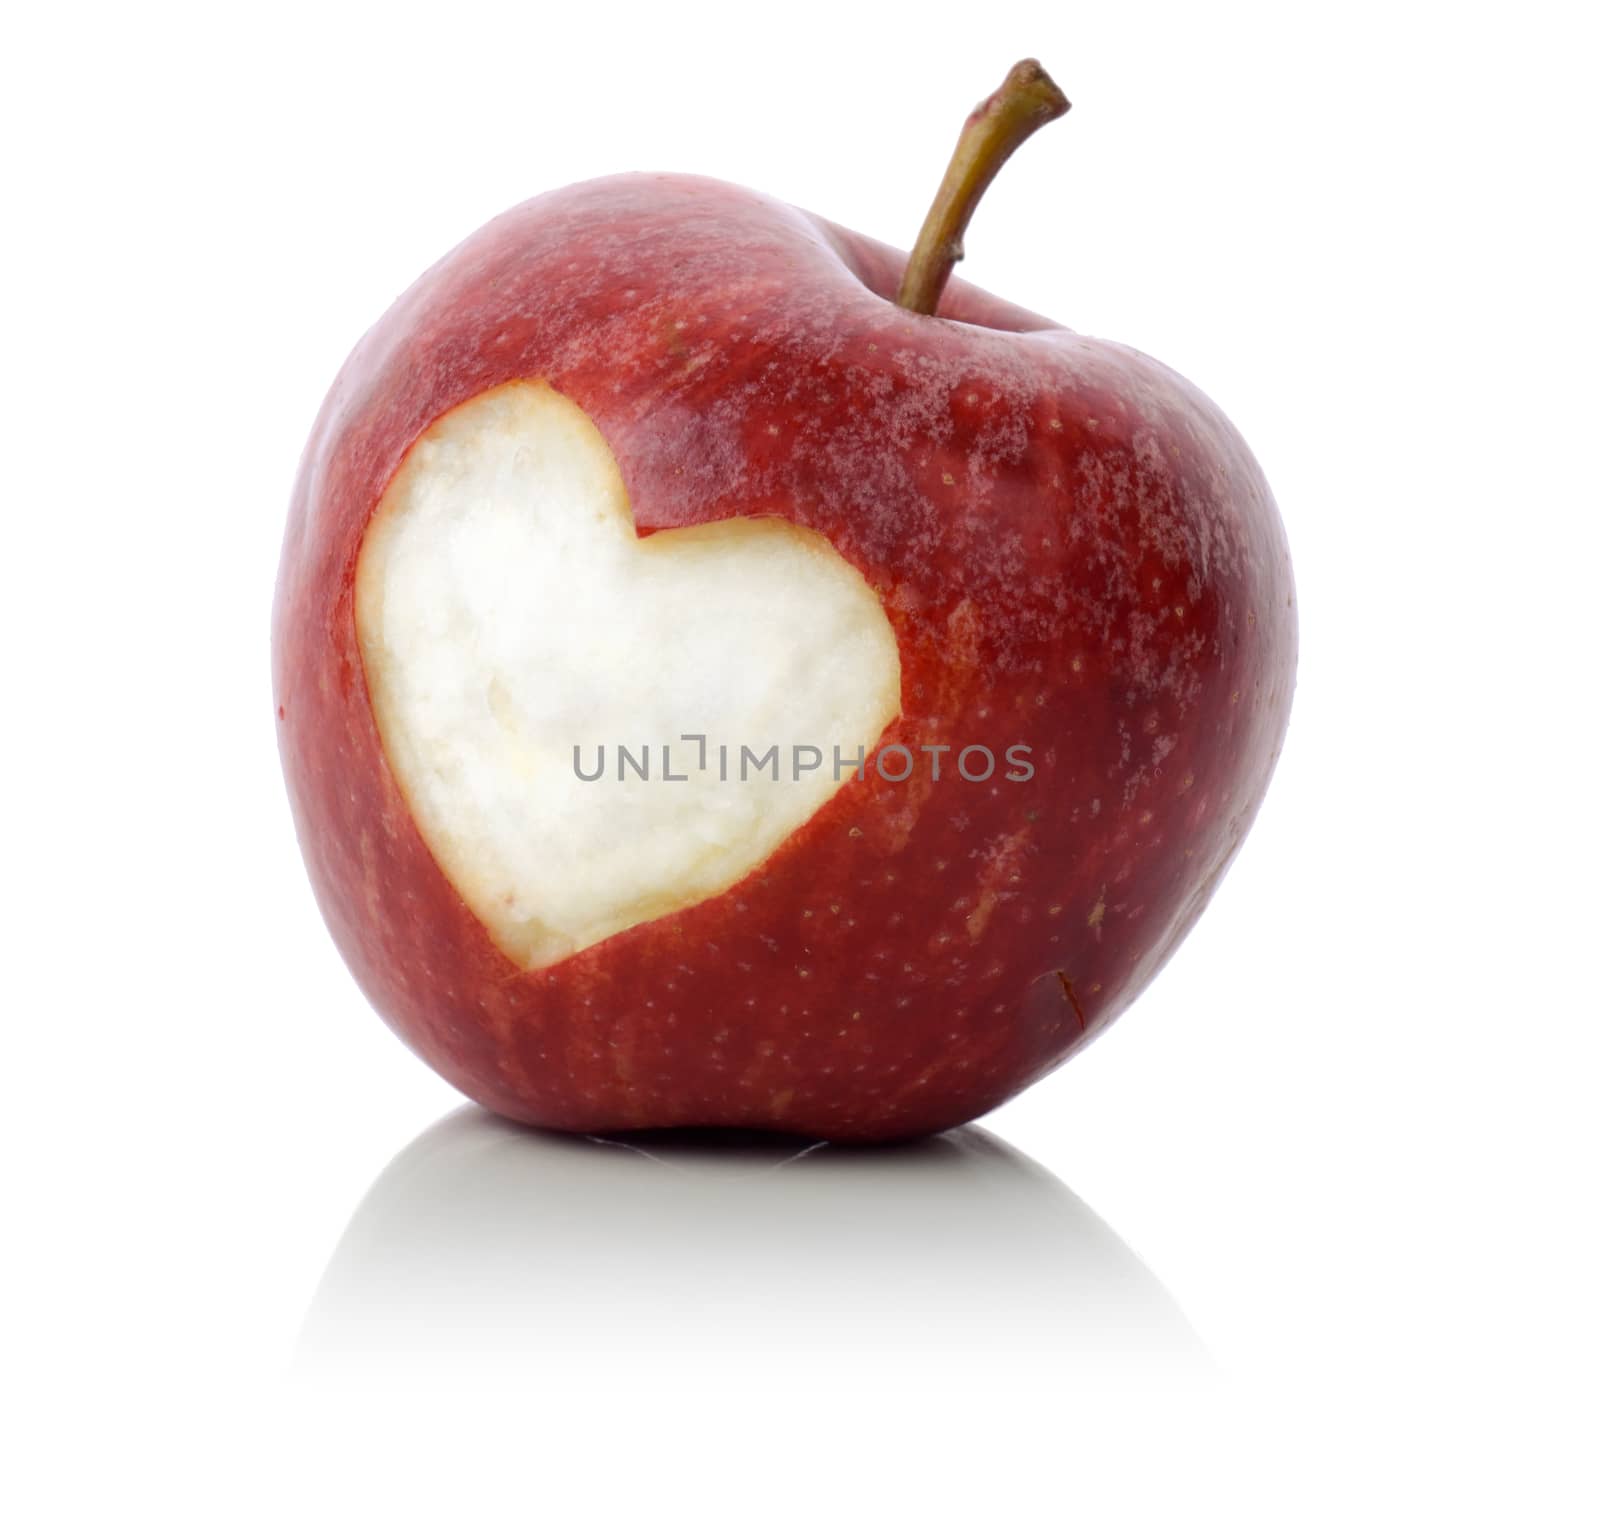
[1351, 1131]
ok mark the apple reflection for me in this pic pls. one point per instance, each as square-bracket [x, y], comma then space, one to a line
[485, 1242]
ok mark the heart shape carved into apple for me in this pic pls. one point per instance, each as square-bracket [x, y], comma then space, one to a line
[517, 634]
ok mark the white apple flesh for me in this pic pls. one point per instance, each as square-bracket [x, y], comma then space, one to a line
[515, 630]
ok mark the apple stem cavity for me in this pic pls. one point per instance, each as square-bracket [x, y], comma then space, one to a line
[1026, 100]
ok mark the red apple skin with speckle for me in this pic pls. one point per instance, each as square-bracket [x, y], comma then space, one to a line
[1077, 554]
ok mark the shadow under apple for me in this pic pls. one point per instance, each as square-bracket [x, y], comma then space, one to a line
[486, 1245]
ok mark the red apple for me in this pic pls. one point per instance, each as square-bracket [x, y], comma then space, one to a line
[655, 458]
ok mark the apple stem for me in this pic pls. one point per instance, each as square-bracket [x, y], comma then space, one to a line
[994, 131]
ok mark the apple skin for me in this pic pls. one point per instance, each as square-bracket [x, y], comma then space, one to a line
[1076, 552]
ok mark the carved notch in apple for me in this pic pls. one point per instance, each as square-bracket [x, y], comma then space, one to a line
[510, 617]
